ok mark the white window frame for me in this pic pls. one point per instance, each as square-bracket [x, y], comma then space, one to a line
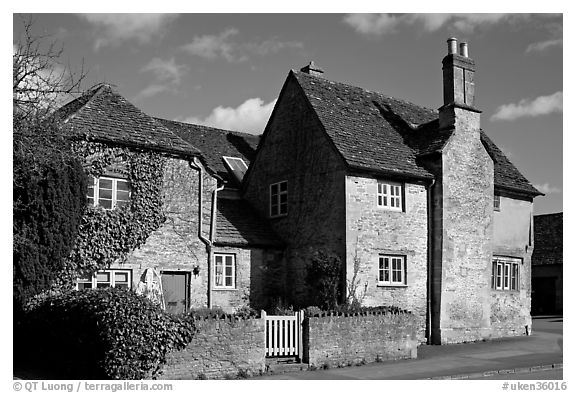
[277, 208]
[230, 166]
[220, 283]
[390, 195]
[506, 273]
[93, 280]
[388, 266]
[96, 190]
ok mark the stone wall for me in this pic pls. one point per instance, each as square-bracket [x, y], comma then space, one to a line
[296, 149]
[513, 237]
[371, 231]
[222, 348]
[349, 340]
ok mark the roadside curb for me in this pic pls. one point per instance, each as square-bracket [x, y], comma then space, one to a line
[519, 370]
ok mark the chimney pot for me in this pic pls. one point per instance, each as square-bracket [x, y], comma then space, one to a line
[312, 69]
[464, 49]
[452, 46]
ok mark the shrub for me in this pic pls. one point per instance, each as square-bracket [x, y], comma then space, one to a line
[103, 334]
[324, 278]
[312, 311]
[246, 312]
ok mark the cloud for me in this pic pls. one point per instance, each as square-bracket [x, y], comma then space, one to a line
[543, 45]
[380, 24]
[168, 76]
[251, 116]
[222, 45]
[152, 90]
[539, 106]
[166, 70]
[547, 188]
[115, 29]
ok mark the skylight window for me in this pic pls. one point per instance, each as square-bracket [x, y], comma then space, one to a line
[236, 166]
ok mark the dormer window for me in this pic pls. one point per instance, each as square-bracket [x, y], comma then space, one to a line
[237, 167]
[108, 192]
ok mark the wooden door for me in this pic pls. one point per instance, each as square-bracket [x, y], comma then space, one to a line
[175, 287]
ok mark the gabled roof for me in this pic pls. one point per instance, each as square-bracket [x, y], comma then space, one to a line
[548, 240]
[377, 133]
[103, 115]
[237, 224]
[214, 143]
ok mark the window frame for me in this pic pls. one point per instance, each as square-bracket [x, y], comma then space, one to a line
[390, 270]
[93, 280]
[276, 199]
[497, 203]
[389, 193]
[114, 198]
[506, 273]
[215, 272]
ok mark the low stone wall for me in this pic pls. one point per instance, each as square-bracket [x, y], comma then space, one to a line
[343, 340]
[222, 348]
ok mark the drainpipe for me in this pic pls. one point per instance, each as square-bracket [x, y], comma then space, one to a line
[430, 256]
[198, 167]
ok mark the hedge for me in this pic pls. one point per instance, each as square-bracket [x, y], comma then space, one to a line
[101, 334]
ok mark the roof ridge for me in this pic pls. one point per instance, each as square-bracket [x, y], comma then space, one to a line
[90, 93]
[209, 127]
[380, 94]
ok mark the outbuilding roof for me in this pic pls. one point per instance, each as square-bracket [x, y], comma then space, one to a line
[103, 115]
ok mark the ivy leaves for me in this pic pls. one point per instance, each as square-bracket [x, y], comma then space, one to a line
[108, 236]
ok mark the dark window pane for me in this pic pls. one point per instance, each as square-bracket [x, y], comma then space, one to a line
[90, 192]
[120, 204]
[84, 285]
[105, 194]
[283, 198]
[106, 204]
[284, 186]
[228, 270]
[274, 189]
[120, 277]
[284, 209]
[122, 195]
[122, 186]
[103, 277]
[102, 285]
[90, 201]
[228, 281]
[106, 183]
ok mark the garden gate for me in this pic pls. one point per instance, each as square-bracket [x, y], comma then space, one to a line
[283, 334]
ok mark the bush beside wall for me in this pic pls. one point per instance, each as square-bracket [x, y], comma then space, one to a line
[100, 334]
[223, 347]
[344, 340]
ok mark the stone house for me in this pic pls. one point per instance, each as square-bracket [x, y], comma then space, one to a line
[547, 272]
[421, 207]
[424, 211]
[211, 248]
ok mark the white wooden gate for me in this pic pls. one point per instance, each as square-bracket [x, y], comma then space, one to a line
[283, 334]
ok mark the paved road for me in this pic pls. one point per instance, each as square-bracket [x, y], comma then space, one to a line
[543, 347]
[535, 376]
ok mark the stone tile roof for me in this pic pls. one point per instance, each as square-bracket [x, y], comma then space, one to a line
[378, 133]
[103, 115]
[237, 224]
[548, 247]
[214, 143]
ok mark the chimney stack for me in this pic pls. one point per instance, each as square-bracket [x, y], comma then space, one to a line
[458, 80]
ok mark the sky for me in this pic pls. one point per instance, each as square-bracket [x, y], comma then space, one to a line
[226, 70]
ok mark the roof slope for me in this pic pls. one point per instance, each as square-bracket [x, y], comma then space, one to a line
[237, 224]
[548, 230]
[104, 115]
[379, 133]
[214, 143]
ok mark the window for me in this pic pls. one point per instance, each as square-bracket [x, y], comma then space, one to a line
[236, 166]
[496, 203]
[105, 279]
[224, 271]
[389, 196]
[279, 199]
[505, 273]
[108, 192]
[391, 270]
